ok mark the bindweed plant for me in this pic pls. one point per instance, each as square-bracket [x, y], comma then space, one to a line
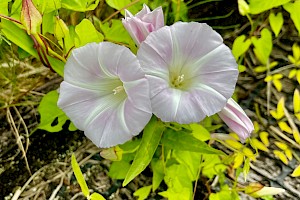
[148, 93]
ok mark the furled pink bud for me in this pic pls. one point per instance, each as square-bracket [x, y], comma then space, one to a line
[234, 116]
[143, 23]
[30, 17]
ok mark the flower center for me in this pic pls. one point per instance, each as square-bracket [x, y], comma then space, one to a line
[177, 82]
[118, 89]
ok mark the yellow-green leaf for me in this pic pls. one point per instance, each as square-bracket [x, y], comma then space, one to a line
[296, 51]
[238, 160]
[96, 196]
[246, 168]
[61, 30]
[285, 127]
[248, 153]
[243, 7]
[296, 100]
[276, 22]
[298, 76]
[259, 145]
[281, 145]
[240, 46]
[114, 153]
[242, 68]
[79, 177]
[234, 135]
[296, 135]
[279, 113]
[292, 73]
[269, 78]
[277, 85]
[86, 33]
[259, 6]
[143, 193]
[264, 136]
[263, 46]
[256, 126]
[288, 153]
[293, 9]
[234, 144]
[296, 172]
[281, 156]
[262, 68]
[277, 76]
[200, 132]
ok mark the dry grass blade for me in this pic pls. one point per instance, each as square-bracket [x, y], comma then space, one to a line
[17, 135]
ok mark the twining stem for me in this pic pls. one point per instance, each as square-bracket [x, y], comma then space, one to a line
[118, 11]
[48, 49]
[10, 19]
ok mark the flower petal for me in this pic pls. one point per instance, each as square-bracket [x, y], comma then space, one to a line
[105, 93]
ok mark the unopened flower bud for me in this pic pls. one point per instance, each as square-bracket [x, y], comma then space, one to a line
[30, 17]
[236, 119]
[143, 23]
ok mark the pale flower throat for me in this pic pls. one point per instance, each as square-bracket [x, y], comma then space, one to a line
[118, 89]
[177, 82]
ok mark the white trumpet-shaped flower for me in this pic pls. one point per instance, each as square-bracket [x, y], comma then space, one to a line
[105, 93]
[191, 72]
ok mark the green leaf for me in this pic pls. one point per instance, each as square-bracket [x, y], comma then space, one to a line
[174, 194]
[200, 132]
[79, 177]
[263, 46]
[158, 175]
[114, 31]
[191, 162]
[50, 112]
[4, 7]
[96, 196]
[276, 22]
[18, 36]
[47, 6]
[119, 169]
[187, 142]
[86, 33]
[48, 22]
[178, 182]
[212, 165]
[293, 9]
[150, 140]
[118, 5]
[143, 192]
[243, 7]
[80, 5]
[259, 6]
[180, 11]
[224, 195]
[240, 46]
[57, 65]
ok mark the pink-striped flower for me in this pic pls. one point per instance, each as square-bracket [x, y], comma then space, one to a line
[191, 72]
[236, 119]
[143, 23]
[105, 93]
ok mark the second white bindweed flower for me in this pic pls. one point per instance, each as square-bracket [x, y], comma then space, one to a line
[191, 72]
